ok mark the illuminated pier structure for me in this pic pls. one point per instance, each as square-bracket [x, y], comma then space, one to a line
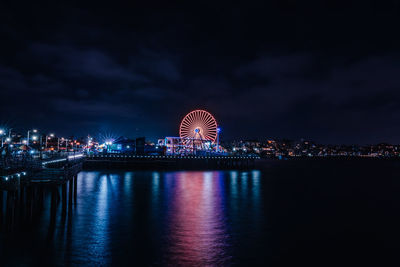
[24, 190]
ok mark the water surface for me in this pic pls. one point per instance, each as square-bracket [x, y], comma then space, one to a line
[216, 218]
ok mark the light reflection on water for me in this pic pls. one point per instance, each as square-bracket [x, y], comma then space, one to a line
[173, 218]
[196, 220]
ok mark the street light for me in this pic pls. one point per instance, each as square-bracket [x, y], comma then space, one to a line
[49, 137]
[89, 143]
[1, 134]
[35, 131]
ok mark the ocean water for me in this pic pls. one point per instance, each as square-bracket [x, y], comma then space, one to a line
[321, 214]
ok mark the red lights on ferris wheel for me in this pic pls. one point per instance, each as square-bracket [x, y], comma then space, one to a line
[199, 124]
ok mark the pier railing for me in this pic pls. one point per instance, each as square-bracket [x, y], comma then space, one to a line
[19, 170]
[32, 161]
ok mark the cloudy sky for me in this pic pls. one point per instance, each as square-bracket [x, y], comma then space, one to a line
[285, 69]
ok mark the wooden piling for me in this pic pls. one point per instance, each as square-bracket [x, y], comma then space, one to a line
[53, 212]
[64, 195]
[10, 210]
[71, 187]
[75, 187]
[29, 199]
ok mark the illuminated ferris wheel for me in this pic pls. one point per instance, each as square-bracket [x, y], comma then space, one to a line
[199, 124]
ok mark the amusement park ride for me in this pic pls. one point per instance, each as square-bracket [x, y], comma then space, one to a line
[198, 134]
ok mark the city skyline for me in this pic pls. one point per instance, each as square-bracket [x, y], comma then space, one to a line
[39, 140]
[315, 71]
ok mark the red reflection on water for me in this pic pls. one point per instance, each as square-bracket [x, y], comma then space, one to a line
[198, 234]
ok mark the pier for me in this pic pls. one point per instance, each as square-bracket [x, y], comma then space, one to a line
[27, 186]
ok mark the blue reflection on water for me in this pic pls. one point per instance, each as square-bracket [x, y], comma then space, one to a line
[91, 220]
[174, 218]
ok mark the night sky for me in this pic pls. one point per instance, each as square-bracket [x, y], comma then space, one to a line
[328, 72]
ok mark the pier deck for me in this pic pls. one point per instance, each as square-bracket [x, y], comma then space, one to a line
[27, 186]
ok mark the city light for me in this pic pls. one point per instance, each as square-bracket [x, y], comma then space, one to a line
[267, 148]
[27, 139]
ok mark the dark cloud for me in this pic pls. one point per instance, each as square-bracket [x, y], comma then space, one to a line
[281, 69]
